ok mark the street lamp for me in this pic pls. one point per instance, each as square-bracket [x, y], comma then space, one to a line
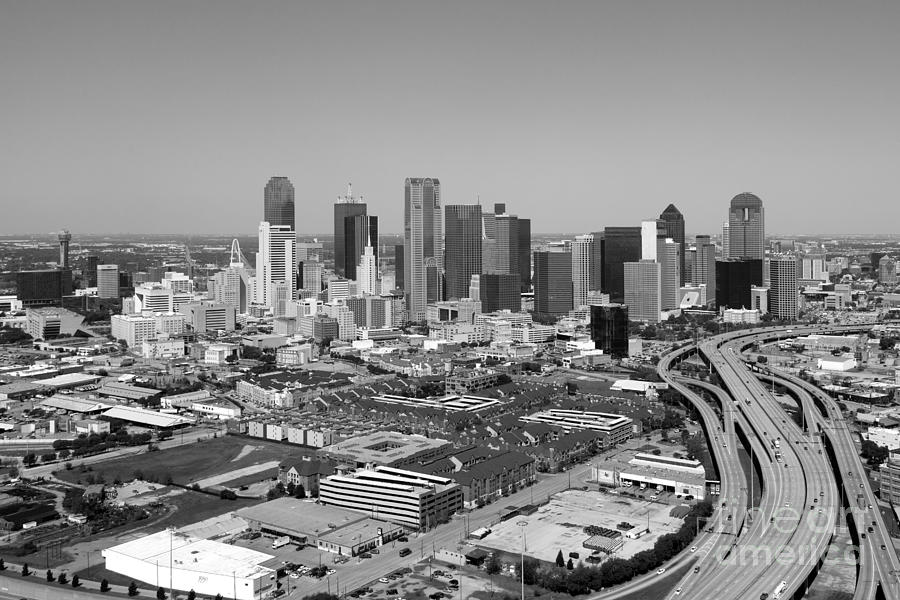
[523, 525]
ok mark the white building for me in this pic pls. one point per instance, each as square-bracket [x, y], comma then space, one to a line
[163, 349]
[643, 290]
[889, 438]
[134, 329]
[740, 315]
[840, 363]
[275, 262]
[582, 267]
[367, 273]
[173, 559]
[617, 427]
[107, 281]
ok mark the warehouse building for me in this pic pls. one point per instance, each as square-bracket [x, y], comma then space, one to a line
[680, 476]
[387, 448]
[415, 500]
[172, 558]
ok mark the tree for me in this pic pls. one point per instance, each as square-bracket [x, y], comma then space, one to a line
[192, 595]
[25, 571]
[570, 565]
[104, 586]
[492, 566]
[75, 581]
[300, 491]
[29, 459]
[50, 576]
[218, 597]
[160, 594]
[132, 589]
[560, 560]
[2, 565]
[63, 579]
[873, 453]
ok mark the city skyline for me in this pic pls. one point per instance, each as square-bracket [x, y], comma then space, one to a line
[794, 105]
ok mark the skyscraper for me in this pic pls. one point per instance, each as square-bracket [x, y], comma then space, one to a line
[352, 229]
[582, 268]
[367, 273]
[703, 271]
[609, 329]
[734, 278]
[278, 203]
[275, 261]
[422, 255]
[643, 290]
[64, 239]
[783, 291]
[107, 281]
[746, 227]
[462, 247]
[525, 254]
[619, 246]
[552, 283]
[398, 267]
[669, 273]
[673, 222]
[499, 291]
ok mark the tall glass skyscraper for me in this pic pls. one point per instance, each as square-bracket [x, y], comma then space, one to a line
[673, 221]
[746, 228]
[278, 203]
[619, 246]
[351, 232]
[462, 247]
[422, 252]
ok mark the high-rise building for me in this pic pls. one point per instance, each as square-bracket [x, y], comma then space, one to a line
[278, 203]
[669, 273]
[813, 267]
[398, 267]
[887, 271]
[232, 287]
[422, 252]
[759, 299]
[64, 239]
[507, 243]
[784, 290]
[312, 276]
[43, 288]
[609, 329]
[726, 239]
[652, 233]
[703, 269]
[499, 291]
[462, 247]
[746, 227]
[673, 222]
[582, 269]
[107, 281]
[348, 231]
[597, 262]
[275, 261]
[552, 283]
[643, 290]
[89, 270]
[734, 278]
[525, 254]
[367, 273]
[619, 246]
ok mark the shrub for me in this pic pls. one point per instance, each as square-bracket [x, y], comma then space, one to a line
[25, 571]
[104, 586]
[132, 589]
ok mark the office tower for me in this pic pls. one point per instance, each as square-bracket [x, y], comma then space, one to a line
[232, 287]
[813, 267]
[475, 287]
[784, 290]
[734, 278]
[670, 273]
[652, 233]
[399, 282]
[746, 227]
[107, 281]
[582, 269]
[499, 208]
[875, 258]
[552, 283]
[642, 290]
[887, 271]
[597, 262]
[351, 227]
[609, 329]
[703, 269]
[43, 288]
[209, 316]
[274, 261]
[309, 251]
[673, 222]
[619, 246]
[278, 203]
[759, 299]
[507, 243]
[64, 239]
[312, 276]
[726, 238]
[422, 252]
[499, 291]
[367, 273]
[525, 254]
[339, 289]
[462, 247]
[89, 270]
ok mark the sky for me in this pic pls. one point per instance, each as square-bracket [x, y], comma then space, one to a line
[170, 116]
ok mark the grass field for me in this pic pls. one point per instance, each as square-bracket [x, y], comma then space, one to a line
[189, 463]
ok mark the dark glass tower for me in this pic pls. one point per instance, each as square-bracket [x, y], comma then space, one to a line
[462, 247]
[278, 204]
[525, 254]
[734, 278]
[609, 329]
[358, 230]
[673, 221]
[746, 227]
[619, 246]
[500, 291]
[553, 293]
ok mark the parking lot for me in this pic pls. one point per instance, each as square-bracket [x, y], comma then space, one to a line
[559, 525]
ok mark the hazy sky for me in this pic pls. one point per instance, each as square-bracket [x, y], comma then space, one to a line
[161, 116]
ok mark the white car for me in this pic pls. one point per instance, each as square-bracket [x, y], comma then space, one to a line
[693, 548]
[661, 571]
[331, 571]
[384, 580]
[295, 575]
[677, 591]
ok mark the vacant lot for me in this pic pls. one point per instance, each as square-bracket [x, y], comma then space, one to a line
[187, 464]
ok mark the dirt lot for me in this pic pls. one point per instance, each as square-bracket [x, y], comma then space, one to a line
[194, 462]
[558, 525]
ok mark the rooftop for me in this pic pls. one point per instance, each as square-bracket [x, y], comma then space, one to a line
[145, 417]
[291, 514]
[383, 447]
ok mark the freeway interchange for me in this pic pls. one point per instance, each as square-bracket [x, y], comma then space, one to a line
[808, 475]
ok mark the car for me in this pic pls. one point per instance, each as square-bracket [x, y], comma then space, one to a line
[693, 548]
[696, 569]
[392, 592]
[661, 571]
[405, 551]
[295, 575]
[871, 530]
[384, 580]
[677, 591]
[821, 493]
[403, 539]
[365, 555]
[453, 583]
[870, 507]
[375, 551]
[331, 571]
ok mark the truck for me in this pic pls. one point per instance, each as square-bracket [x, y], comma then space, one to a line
[281, 541]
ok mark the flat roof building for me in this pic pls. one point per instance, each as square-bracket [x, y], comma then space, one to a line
[617, 427]
[387, 448]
